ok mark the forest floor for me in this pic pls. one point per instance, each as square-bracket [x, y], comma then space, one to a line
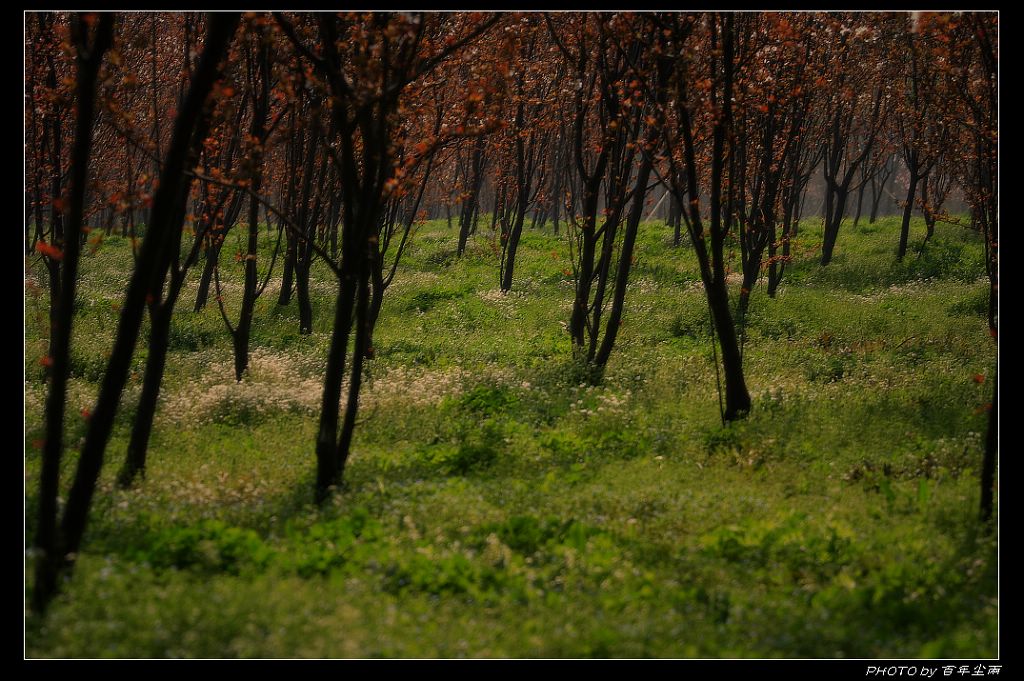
[495, 506]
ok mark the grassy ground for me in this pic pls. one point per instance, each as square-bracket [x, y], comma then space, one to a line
[497, 507]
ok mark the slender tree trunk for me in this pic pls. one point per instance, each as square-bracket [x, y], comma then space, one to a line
[499, 207]
[206, 278]
[287, 276]
[777, 267]
[243, 331]
[860, 203]
[48, 540]
[876, 200]
[304, 248]
[513, 247]
[625, 264]
[555, 213]
[160, 314]
[585, 276]
[737, 397]
[929, 214]
[774, 271]
[676, 220]
[375, 305]
[356, 375]
[540, 216]
[834, 216]
[146, 278]
[908, 208]
[260, 90]
[53, 267]
[749, 281]
[327, 471]
[156, 359]
[988, 464]
[302, 295]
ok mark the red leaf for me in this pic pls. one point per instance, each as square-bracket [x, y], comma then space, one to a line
[49, 250]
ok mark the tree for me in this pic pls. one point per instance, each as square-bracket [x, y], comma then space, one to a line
[919, 117]
[365, 63]
[471, 198]
[773, 99]
[695, 71]
[521, 161]
[257, 60]
[163, 233]
[613, 152]
[161, 306]
[856, 109]
[974, 70]
[879, 182]
[90, 44]
[48, 102]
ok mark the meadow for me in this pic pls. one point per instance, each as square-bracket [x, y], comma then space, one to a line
[496, 505]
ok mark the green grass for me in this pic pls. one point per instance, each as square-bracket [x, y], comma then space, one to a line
[496, 506]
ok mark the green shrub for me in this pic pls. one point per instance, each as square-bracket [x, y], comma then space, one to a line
[474, 448]
[487, 400]
[208, 546]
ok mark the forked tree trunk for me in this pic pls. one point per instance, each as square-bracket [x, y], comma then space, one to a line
[147, 277]
[49, 544]
[512, 247]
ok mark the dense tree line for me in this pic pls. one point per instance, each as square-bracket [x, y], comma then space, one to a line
[331, 135]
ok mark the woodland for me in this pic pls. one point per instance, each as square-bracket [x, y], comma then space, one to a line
[511, 335]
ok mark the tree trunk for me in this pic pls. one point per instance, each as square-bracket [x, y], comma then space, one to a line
[778, 267]
[327, 473]
[302, 295]
[156, 359]
[240, 337]
[625, 264]
[52, 550]
[512, 247]
[471, 205]
[876, 201]
[285, 295]
[749, 280]
[146, 278]
[356, 375]
[860, 203]
[929, 214]
[210, 263]
[908, 208]
[988, 464]
[675, 214]
[834, 208]
[376, 303]
[737, 398]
